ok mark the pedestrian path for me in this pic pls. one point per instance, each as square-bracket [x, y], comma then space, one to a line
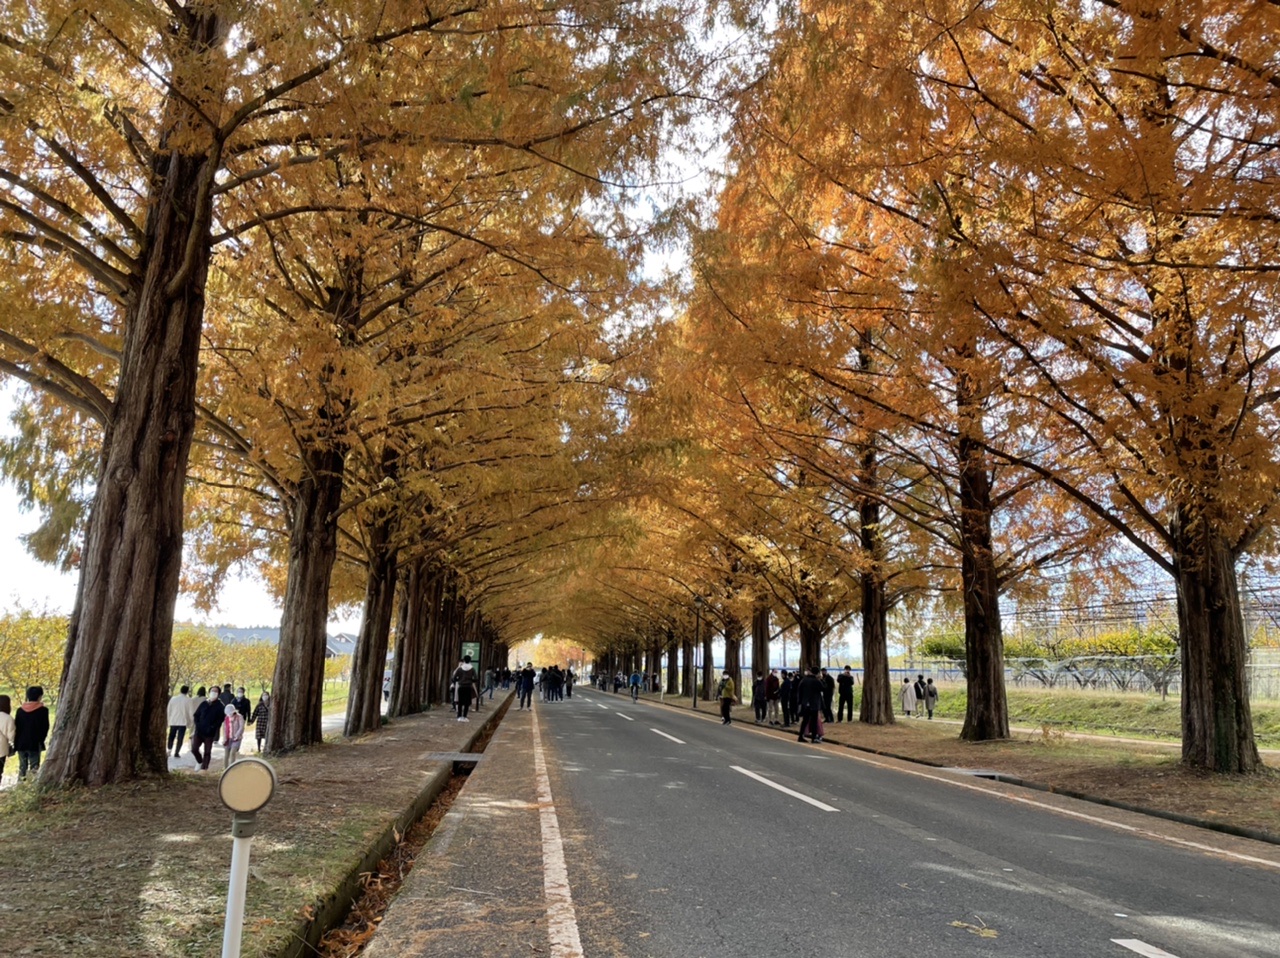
[485, 882]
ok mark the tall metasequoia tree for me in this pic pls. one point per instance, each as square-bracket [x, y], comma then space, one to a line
[1094, 174]
[128, 130]
[116, 666]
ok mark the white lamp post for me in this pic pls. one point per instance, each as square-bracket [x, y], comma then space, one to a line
[244, 788]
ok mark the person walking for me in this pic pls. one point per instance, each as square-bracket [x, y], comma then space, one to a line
[809, 695]
[225, 695]
[464, 677]
[772, 696]
[242, 704]
[208, 720]
[828, 692]
[8, 731]
[844, 688]
[31, 728]
[524, 685]
[232, 735]
[919, 688]
[489, 683]
[726, 698]
[179, 712]
[260, 718]
[908, 696]
[569, 679]
[759, 704]
[930, 698]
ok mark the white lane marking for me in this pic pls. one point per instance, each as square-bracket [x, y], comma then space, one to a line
[1142, 948]
[1072, 813]
[562, 922]
[600, 706]
[782, 788]
[627, 717]
[665, 735]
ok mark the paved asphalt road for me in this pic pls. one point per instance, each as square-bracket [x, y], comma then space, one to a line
[676, 848]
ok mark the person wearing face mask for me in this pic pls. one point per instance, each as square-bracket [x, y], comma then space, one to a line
[261, 714]
[209, 716]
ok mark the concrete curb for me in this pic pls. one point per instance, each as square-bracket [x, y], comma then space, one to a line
[329, 911]
[1238, 831]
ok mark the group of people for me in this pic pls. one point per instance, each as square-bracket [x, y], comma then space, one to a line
[919, 697]
[788, 698]
[213, 714]
[778, 699]
[24, 734]
[554, 683]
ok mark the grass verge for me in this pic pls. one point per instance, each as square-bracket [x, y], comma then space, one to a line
[141, 869]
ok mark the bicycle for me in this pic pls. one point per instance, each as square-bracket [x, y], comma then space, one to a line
[635, 693]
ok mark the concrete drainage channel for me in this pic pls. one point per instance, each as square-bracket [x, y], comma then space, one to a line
[344, 922]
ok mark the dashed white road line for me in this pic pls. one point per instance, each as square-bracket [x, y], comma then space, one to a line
[1142, 948]
[602, 706]
[627, 717]
[665, 735]
[1072, 813]
[562, 921]
[782, 788]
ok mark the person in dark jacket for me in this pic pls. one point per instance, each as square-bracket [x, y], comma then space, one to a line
[785, 690]
[242, 704]
[773, 697]
[524, 685]
[464, 677]
[758, 702]
[226, 696]
[209, 716]
[809, 692]
[796, 678]
[260, 717]
[31, 728]
[920, 690]
[828, 692]
[844, 688]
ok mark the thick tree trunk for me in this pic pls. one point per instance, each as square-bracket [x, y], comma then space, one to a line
[686, 669]
[673, 664]
[369, 662]
[708, 666]
[733, 633]
[433, 623]
[811, 636]
[115, 678]
[298, 685]
[408, 668]
[1217, 722]
[760, 639]
[876, 707]
[986, 714]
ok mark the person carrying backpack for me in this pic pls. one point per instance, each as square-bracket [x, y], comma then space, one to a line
[464, 677]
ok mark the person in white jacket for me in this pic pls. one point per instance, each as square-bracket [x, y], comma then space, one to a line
[182, 714]
[8, 729]
[908, 697]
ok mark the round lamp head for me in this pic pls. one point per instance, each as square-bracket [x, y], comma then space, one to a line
[247, 785]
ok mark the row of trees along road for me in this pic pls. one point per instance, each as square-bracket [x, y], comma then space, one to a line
[986, 296]
[990, 291]
[342, 270]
